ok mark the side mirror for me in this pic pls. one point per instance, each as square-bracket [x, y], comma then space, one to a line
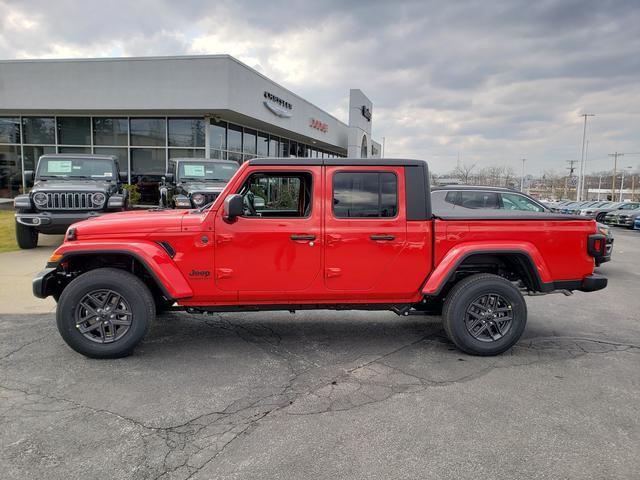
[233, 207]
[123, 177]
[28, 178]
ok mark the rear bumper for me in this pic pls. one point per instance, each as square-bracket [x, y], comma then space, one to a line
[43, 282]
[593, 283]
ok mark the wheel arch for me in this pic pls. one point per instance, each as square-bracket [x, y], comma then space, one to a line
[154, 266]
[524, 264]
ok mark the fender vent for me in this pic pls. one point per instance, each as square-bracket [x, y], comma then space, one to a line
[168, 248]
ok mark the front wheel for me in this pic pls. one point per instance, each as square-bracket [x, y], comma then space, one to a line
[105, 313]
[484, 314]
[27, 237]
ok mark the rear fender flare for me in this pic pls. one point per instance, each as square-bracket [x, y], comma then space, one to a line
[457, 255]
[151, 255]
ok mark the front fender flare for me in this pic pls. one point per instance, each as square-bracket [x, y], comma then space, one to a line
[454, 257]
[151, 255]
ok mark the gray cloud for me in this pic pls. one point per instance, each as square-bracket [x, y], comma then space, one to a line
[495, 81]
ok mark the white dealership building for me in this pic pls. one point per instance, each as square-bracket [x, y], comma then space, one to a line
[151, 109]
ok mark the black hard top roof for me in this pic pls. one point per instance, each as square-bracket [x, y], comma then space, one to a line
[201, 160]
[359, 162]
[79, 155]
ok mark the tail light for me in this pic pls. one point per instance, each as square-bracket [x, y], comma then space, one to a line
[596, 245]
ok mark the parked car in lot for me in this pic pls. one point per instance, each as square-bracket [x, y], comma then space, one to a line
[330, 234]
[622, 218]
[67, 189]
[600, 213]
[636, 224]
[472, 197]
[194, 182]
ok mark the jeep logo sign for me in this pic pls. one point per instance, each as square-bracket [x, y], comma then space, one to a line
[318, 125]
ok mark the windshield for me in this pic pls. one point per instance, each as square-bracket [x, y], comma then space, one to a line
[60, 167]
[206, 171]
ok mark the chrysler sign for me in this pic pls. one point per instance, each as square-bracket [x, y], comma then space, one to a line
[277, 105]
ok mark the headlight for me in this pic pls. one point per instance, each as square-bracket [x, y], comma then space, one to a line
[198, 199]
[98, 199]
[40, 199]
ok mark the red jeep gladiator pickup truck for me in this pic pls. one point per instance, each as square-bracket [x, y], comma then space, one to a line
[290, 234]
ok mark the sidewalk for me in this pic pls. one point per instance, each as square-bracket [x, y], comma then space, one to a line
[17, 269]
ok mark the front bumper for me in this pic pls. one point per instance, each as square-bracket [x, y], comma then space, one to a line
[43, 282]
[56, 223]
[593, 282]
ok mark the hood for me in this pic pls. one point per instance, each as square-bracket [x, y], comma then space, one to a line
[203, 187]
[72, 185]
[131, 222]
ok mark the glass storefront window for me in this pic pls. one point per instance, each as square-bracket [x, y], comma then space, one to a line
[284, 148]
[217, 139]
[120, 153]
[148, 132]
[249, 143]
[293, 149]
[10, 171]
[186, 132]
[263, 145]
[186, 152]
[302, 150]
[32, 154]
[74, 149]
[274, 147]
[74, 131]
[110, 131]
[39, 130]
[9, 130]
[234, 142]
[147, 166]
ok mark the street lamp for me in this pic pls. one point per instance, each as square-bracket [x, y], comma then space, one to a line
[622, 181]
[581, 170]
[522, 181]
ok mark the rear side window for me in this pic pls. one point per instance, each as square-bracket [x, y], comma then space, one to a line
[365, 195]
[471, 199]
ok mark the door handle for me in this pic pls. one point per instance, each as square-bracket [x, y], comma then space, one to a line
[378, 238]
[333, 238]
[298, 238]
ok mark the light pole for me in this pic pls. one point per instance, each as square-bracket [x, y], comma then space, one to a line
[622, 181]
[581, 170]
[522, 181]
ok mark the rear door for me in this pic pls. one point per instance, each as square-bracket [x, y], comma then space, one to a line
[365, 227]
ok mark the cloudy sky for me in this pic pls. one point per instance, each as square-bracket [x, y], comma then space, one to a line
[489, 81]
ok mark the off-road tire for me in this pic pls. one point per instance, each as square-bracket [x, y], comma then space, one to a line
[27, 237]
[460, 298]
[130, 287]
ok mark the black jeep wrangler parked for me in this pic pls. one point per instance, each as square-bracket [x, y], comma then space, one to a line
[194, 182]
[66, 189]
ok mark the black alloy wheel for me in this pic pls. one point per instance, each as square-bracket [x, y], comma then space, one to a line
[489, 317]
[105, 313]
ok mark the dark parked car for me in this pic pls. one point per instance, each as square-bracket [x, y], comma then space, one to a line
[602, 212]
[67, 189]
[194, 182]
[622, 218]
[448, 198]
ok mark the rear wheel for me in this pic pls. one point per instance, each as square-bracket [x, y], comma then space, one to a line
[484, 314]
[105, 313]
[27, 237]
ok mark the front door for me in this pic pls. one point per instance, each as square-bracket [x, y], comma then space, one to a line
[365, 228]
[274, 248]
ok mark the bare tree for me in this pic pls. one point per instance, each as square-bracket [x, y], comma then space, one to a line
[463, 172]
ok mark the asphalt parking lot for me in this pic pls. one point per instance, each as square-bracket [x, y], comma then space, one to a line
[333, 395]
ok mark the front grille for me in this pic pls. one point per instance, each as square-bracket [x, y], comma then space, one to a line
[210, 197]
[70, 201]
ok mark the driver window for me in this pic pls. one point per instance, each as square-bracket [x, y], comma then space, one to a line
[277, 195]
[511, 201]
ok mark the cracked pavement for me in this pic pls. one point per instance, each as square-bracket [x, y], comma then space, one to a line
[334, 395]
